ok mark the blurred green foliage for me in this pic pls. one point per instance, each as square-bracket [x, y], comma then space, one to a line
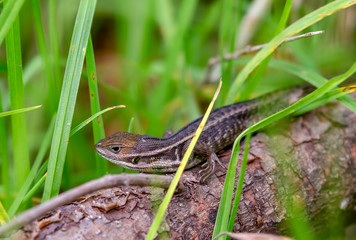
[152, 56]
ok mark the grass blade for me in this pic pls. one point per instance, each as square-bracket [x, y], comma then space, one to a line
[164, 16]
[129, 129]
[332, 83]
[312, 77]
[53, 89]
[18, 121]
[240, 182]
[101, 165]
[167, 198]
[296, 27]
[8, 16]
[54, 49]
[85, 122]
[68, 97]
[327, 97]
[3, 215]
[21, 110]
[4, 156]
[34, 189]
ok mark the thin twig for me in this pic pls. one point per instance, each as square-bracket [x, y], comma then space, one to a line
[249, 49]
[107, 181]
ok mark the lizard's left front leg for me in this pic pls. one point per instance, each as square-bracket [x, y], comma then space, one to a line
[207, 153]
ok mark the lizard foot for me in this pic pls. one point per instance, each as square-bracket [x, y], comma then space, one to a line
[208, 168]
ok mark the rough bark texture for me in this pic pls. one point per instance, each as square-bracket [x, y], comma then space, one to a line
[308, 162]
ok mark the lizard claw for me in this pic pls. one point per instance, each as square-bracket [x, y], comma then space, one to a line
[220, 163]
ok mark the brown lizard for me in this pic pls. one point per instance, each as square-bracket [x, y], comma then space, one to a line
[146, 153]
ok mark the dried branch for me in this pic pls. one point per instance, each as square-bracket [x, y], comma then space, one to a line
[107, 181]
[250, 49]
[253, 236]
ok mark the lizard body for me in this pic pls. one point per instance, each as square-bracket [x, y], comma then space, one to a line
[151, 154]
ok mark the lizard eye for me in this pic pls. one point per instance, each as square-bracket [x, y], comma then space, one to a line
[115, 149]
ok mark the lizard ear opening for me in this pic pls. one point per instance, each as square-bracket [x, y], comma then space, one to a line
[135, 160]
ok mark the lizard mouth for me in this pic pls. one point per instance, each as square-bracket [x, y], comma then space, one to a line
[105, 153]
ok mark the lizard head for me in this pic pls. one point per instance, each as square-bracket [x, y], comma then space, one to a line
[137, 152]
[117, 145]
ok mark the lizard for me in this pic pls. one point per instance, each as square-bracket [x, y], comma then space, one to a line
[150, 154]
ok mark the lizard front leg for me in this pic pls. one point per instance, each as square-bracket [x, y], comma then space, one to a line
[167, 133]
[207, 153]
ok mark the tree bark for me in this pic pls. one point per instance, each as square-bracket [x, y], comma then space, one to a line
[306, 163]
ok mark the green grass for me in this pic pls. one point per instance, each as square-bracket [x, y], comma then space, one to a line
[8, 17]
[240, 182]
[54, 50]
[101, 165]
[3, 215]
[4, 156]
[17, 100]
[53, 88]
[152, 58]
[17, 111]
[67, 100]
[90, 119]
